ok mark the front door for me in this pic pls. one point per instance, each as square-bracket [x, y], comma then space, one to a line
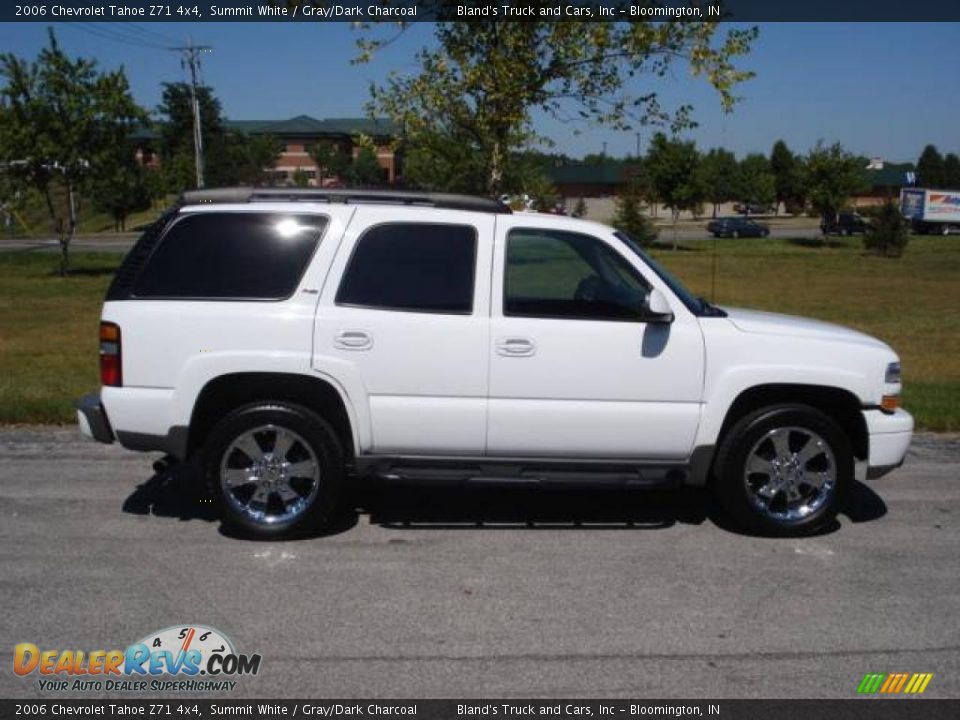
[573, 372]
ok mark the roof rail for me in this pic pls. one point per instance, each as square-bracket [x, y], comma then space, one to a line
[382, 197]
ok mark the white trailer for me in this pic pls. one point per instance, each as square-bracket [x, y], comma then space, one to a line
[931, 212]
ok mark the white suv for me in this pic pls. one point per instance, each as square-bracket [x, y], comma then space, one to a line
[291, 339]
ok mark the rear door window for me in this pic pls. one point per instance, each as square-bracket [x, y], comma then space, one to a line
[412, 267]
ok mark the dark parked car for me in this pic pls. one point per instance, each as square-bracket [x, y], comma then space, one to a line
[737, 227]
[845, 223]
[753, 208]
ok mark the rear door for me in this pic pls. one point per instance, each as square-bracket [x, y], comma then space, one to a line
[406, 307]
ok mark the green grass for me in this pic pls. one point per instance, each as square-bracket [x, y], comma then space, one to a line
[48, 325]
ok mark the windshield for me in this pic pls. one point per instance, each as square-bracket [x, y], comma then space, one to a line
[696, 305]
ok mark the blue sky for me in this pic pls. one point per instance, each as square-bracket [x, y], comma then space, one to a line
[880, 89]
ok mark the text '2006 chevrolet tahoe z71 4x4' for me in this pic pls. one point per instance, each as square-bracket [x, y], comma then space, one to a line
[289, 339]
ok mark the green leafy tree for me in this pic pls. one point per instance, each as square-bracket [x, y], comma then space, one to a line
[121, 186]
[580, 209]
[630, 219]
[930, 168]
[62, 119]
[755, 183]
[332, 162]
[673, 167]
[365, 170]
[888, 233]
[830, 176]
[717, 177]
[951, 171]
[479, 84]
[785, 166]
[230, 158]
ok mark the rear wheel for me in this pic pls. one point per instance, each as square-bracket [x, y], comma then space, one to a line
[784, 470]
[274, 469]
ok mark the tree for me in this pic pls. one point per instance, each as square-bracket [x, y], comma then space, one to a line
[630, 219]
[785, 167]
[930, 168]
[717, 177]
[230, 158]
[830, 176]
[888, 235]
[673, 165]
[755, 183]
[122, 185]
[62, 119]
[331, 160]
[479, 84]
[580, 209]
[951, 172]
[365, 170]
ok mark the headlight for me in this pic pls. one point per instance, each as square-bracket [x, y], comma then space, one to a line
[893, 374]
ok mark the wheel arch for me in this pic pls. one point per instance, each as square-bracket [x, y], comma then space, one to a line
[837, 403]
[226, 392]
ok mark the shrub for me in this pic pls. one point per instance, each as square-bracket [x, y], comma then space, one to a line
[580, 210]
[888, 234]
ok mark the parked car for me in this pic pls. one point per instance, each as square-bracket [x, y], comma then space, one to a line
[289, 340]
[737, 227]
[845, 223]
[753, 208]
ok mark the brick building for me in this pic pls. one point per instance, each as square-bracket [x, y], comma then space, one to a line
[300, 134]
[297, 137]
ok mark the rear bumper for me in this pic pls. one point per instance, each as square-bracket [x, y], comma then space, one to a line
[890, 436]
[92, 419]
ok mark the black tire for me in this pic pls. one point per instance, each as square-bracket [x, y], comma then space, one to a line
[730, 480]
[313, 435]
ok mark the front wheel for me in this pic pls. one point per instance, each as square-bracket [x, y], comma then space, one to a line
[274, 469]
[784, 470]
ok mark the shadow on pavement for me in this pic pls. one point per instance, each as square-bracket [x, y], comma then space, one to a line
[177, 492]
[411, 506]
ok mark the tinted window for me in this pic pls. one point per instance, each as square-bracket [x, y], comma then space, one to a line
[231, 255]
[561, 274]
[415, 267]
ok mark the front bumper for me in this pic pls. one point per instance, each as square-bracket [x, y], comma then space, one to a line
[92, 419]
[890, 436]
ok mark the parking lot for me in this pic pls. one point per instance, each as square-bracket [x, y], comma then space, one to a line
[472, 592]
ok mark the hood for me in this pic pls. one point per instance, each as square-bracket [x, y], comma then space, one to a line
[754, 321]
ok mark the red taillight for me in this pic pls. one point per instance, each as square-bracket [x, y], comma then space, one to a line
[111, 363]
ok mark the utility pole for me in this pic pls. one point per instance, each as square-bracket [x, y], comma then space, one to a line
[190, 57]
[638, 145]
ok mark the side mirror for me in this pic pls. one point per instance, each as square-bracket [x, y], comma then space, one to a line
[657, 309]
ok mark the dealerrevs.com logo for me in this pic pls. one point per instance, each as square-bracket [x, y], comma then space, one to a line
[178, 658]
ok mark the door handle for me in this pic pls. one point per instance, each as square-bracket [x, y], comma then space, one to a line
[353, 340]
[516, 347]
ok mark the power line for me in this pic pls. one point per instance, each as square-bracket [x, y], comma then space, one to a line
[148, 32]
[108, 34]
[124, 31]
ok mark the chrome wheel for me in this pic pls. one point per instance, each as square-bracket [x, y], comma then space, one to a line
[270, 474]
[790, 473]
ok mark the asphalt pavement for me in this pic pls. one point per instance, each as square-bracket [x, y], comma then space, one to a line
[486, 592]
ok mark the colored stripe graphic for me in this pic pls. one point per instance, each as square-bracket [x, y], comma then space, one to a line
[894, 683]
[871, 682]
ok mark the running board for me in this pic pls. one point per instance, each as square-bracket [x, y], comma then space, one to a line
[560, 473]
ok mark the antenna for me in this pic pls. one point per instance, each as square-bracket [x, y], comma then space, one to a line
[190, 57]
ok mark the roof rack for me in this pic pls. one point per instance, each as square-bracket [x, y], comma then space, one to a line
[380, 197]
